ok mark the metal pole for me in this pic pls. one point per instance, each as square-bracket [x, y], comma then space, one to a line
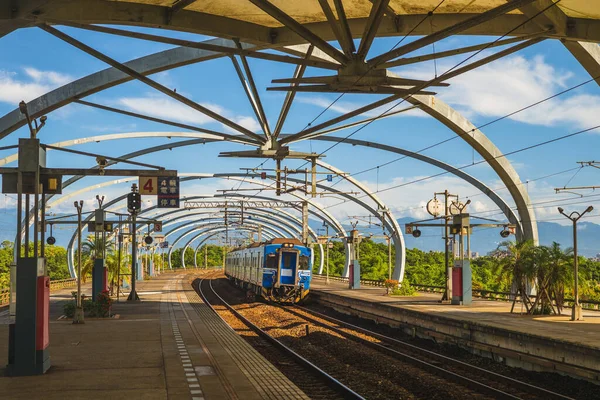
[120, 241]
[26, 227]
[133, 296]
[78, 317]
[469, 242]
[389, 243]
[448, 293]
[43, 225]
[19, 214]
[36, 208]
[205, 256]
[576, 313]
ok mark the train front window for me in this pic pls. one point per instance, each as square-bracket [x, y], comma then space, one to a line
[303, 262]
[287, 260]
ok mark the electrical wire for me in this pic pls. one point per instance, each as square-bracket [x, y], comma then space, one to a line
[486, 160]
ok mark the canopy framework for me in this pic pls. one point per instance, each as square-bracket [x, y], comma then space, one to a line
[307, 36]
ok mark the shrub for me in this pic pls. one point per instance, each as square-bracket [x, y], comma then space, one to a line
[390, 285]
[404, 289]
[69, 309]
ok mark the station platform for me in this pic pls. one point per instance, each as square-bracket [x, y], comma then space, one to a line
[487, 327]
[168, 346]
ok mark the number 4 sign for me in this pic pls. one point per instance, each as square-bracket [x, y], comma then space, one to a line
[148, 185]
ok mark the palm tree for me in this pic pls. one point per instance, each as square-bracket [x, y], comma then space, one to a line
[516, 267]
[553, 274]
[90, 250]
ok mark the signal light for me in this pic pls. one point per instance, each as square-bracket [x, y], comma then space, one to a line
[416, 233]
[51, 240]
[148, 240]
[134, 202]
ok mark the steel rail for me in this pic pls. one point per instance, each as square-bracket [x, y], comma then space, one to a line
[324, 376]
[444, 360]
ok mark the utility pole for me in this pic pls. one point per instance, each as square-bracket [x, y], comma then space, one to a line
[78, 316]
[305, 223]
[577, 312]
[388, 238]
[447, 297]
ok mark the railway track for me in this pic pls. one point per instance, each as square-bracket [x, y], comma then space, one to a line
[476, 378]
[435, 368]
[292, 361]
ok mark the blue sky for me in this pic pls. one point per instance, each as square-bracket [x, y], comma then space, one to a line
[38, 62]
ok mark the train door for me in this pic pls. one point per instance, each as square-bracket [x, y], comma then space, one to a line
[288, 267]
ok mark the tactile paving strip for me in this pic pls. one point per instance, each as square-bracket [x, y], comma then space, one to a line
[267, 379]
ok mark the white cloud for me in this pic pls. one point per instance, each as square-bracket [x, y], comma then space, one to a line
[165, 108]
[511, 83]
[14, 88]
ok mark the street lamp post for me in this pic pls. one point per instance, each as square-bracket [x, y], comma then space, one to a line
[576, 314]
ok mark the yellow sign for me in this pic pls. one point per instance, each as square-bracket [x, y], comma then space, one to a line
[148, 185]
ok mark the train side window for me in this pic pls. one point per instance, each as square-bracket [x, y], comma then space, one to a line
[303, 262]
[271, 261]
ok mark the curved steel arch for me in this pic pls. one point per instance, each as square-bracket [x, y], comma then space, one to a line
[433, 106]
[216, 232]
[398, 270]
[70, 257]
[395, 228]
[479, 185]
[500, 203]
[202, 225]
[282, 216]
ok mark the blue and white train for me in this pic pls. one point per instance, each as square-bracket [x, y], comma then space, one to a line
[278, 270]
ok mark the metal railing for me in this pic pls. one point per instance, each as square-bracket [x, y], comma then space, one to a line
[54, 285]
[479, 293]
[4, 296]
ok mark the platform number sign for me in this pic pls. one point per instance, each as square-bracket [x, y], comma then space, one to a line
[158, 227]
[168, 192]
[148, 185]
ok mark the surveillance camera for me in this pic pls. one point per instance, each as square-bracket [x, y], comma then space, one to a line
[102, 162]
[51, 240]
[416, 233]
[504, 233]
[148, 240]
[560, 209]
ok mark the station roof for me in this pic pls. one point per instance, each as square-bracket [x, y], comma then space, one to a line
[253, 22]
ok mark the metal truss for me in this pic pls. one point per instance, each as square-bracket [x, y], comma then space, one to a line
[549, 22]
[443, 113]
[241, 204]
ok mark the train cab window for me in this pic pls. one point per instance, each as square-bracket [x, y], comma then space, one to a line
[303, 262]
[287, 260]
[271, 261]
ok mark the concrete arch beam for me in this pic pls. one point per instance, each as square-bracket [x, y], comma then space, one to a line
[397, 236]
[488, 150]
